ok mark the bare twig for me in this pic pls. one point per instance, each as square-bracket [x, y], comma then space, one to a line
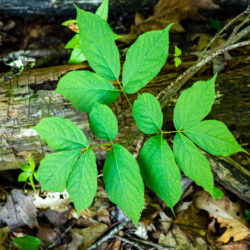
[132, 243]
[165, 95]
[227, 26]
[236, 29]
[111, 234]
[149, 243]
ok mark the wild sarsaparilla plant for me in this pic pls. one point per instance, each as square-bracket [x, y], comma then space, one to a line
[73, 165]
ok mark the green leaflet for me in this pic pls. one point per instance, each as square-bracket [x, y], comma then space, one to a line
[82, 182]
[28, 242]
[55, 168]
[74, 41]
[84, 89]
[194, 104]
[193, 163]
[160, 171]
[103, 10]
[147, 114]
[144, 59]
[24, 176]
[103, 122]
[98, 45]
[123, 182]
[214, 137]
[76, 55]
[61, 134]
[218, 194]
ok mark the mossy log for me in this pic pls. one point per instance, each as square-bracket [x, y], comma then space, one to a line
[29, 97]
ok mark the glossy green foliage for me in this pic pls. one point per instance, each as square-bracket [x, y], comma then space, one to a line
[28, 242]
[159, 170]
[177, 53]
[76, 55]
[61, 134]
[74, 166]
[194, 104]
[147, 114]
[123, 182]
[193, 163]
[103, 122]
[84, 89]
[98, 45]
[145, 59]
[28, 173]
[82, 182]
[214, 137]
[103, 10]
[54, 170]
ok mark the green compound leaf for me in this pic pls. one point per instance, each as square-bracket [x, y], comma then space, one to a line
[54, 170]
[194, 104]
[123, 182]
[144, 59]
[147, 114]
[82, 182]
[84, 89]
[103, 10]
[193, 163]
[98, 45]
[214, 137]
[103, 122]
[159, 170]
[61, 134]
[28, 242]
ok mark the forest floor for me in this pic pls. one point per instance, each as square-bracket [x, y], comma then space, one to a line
[200, 222]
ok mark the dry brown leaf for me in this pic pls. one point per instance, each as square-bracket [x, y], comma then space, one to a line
[174, 11]
[18, 210]
[228, 214]
[90, 234]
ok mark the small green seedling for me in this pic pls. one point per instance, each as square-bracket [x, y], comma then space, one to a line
[77, 55]
[177, 53]
[28, 242]
[28, 173]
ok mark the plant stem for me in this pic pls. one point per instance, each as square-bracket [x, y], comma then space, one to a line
[101, 145]
[124, 94]
[170, 132]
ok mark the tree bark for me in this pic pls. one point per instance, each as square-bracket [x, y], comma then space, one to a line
[29, 97]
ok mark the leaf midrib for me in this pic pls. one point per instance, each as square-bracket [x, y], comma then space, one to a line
[90, 33]
[49, 133]
[139, 64]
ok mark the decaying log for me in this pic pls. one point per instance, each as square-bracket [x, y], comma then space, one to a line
[30, 96]
[59, 7]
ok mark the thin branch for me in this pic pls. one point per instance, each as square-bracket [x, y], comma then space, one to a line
[227, 26]
[175, 86]
[111, 234]
[132, 243]
[149, 243]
